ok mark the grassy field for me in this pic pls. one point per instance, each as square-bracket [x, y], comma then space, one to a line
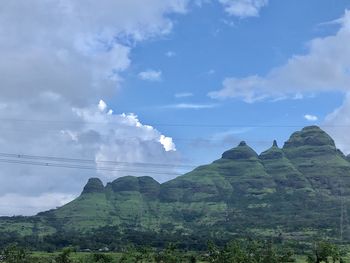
[82, 256]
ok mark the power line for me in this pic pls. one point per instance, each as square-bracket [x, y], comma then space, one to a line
[191, 140]
[109, 169]
[91, 161]
[223, 125]
[135, 137]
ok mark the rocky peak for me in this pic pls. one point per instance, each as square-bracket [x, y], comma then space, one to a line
[242, 143]
[242, 151]
[273, 153]
[126, 183]
[144, 184]
[94, 185]
[274, 144]
[310, 136]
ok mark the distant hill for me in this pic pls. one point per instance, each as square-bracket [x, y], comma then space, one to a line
[296, 192]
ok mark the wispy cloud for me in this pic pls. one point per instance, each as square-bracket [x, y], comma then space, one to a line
[151, 75]
[243, 8]
[190, 106]
[183, 95]
[324, 68]
[225, 139]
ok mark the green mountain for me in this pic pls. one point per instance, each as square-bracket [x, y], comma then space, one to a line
[296, 192]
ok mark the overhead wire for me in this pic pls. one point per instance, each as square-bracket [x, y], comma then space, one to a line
[97, 168]
[176, 124]
[91, 161]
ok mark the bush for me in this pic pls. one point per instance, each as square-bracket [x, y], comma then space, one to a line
[100, 258]
[14, 254]
[64, 256]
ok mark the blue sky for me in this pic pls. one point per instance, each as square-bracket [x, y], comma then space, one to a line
[166, 82]
[207, 45]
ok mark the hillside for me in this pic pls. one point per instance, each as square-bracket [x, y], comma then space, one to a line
[295, 192]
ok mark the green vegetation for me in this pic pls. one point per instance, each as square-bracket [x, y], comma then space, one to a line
[297, 193]
[238, 251]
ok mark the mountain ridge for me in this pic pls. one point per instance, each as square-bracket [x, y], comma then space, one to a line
[298, 191]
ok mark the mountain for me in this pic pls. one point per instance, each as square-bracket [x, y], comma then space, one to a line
[298, 191]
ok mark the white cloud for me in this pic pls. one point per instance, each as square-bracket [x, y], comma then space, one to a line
[337, 124]
[325, 67]
[310, 117]
[192, 106]
[28, 205]
[56, 61]
[183, 95]
[102, 106]
[167, 143]
[151, 75]
[83, 133]
[73, 49]
[243, 8]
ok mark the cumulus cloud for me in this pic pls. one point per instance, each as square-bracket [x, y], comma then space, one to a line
[167, 143]
[91, 133]
[151, 75]
[243, 8]
[58, 58]
[71, 48]
[337, 124]
[325, 67]
[310, 117]
[102, 106]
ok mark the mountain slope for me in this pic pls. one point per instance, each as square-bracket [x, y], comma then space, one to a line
[295, 192]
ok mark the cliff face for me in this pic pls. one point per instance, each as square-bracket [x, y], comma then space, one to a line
[298, 190]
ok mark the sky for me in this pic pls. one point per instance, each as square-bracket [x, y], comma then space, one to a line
[113, 88]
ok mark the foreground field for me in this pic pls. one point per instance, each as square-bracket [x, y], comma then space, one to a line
[150, 257]
[237, 251]
[116, 257]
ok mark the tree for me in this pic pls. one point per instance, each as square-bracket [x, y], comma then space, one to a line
[248, 252]
[64, 256]
[100, 258]
[323, 251]
[15, 254]
[170, 254]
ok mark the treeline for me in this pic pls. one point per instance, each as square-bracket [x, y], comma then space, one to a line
[238, 251]
[116, 240]
[110, 237]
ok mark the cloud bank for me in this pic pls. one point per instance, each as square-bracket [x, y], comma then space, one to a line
[58, 59]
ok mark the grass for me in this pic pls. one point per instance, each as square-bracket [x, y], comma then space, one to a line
[117, 256]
